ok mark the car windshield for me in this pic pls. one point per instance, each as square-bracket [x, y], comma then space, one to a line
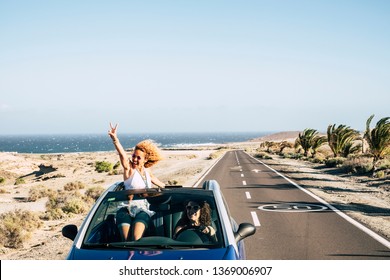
[166, 208]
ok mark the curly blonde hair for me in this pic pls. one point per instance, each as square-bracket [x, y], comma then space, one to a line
[152, 152]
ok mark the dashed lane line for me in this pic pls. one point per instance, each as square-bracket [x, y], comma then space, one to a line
[256, 221]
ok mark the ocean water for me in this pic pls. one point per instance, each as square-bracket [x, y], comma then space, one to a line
[102, 142]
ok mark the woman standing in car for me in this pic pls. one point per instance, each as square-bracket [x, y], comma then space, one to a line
[136, 175]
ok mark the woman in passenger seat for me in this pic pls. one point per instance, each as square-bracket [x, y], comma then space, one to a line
[197, 215]
[136, 175]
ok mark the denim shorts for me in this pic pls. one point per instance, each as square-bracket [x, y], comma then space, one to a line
[123, 217]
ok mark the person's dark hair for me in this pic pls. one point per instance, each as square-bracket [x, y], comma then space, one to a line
[205, 213]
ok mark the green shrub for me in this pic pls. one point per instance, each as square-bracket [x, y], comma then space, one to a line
[19, 181]
[334, 162]
[63, 204]
[357, 165]
[75, 205]
[173, 182]
[116, 165]
[316, 160]
[191, 156]
[2, 180]
[16, 227]
[74, 186]
[384, 164]
[114, 172]
[54, 214]
[262, 155]
[103, 166]
[94, 192]
[39, 192]
[98, 181]
[380, 174]
[292, 155]
[214, 155]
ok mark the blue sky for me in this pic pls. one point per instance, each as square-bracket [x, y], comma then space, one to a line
[189, 66]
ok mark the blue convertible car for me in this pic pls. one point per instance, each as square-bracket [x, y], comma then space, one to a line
[99, 238]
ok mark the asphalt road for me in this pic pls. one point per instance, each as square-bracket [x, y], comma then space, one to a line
[291, 223]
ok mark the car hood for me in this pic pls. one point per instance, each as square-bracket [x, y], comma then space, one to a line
[191, 254]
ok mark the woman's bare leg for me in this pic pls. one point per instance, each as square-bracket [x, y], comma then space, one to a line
[139, 229]
[124, 229]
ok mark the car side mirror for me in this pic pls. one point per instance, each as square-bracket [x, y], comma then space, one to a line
[244, 230]
[70, 231]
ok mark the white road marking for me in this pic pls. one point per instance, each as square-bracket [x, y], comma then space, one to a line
[238, 162]
[248, 195]
[256, 170]
[242, 175]
[291, 208]
[255, 219]
[244, 183]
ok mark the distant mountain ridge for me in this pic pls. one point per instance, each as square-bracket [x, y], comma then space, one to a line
[279, 136]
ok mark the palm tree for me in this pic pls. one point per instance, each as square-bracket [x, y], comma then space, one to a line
[378, 139]
[317, 142]
[351, 148]
[341, 139]
[305, 140]
[283, 145]
[268, 145]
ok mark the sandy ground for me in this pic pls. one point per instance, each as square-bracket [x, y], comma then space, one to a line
[365, 199]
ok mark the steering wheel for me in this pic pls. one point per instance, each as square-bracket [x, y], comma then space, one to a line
[192, 234]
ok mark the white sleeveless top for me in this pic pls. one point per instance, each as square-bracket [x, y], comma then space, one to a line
[136, 181]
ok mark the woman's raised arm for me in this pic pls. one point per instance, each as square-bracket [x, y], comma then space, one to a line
[119, 148]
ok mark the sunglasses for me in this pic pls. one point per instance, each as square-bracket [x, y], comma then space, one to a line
[137, 157]
[192, 207]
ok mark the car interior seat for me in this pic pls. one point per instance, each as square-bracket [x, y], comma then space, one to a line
[113, 234]
[162, 219]
[106, 232]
